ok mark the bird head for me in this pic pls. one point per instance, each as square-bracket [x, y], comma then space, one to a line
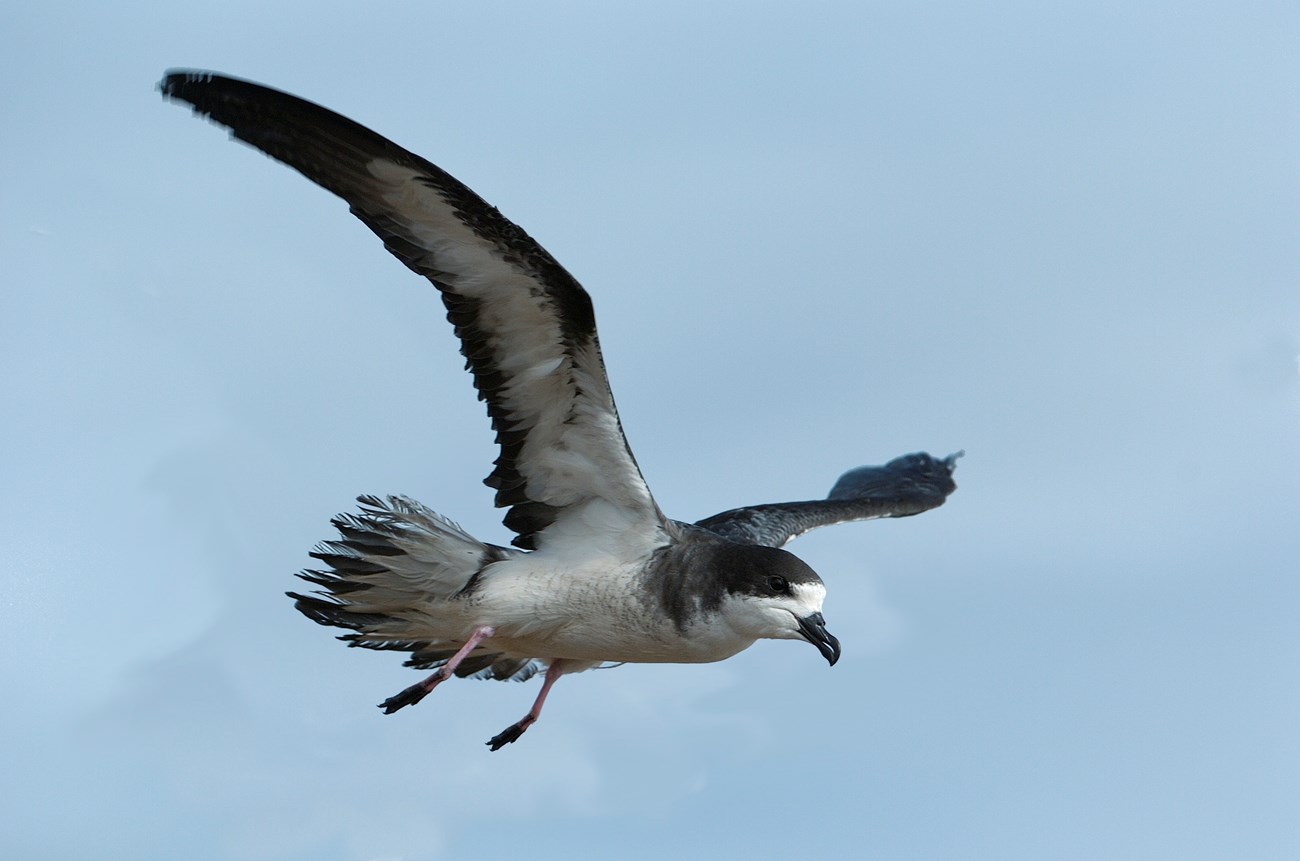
[772, 594]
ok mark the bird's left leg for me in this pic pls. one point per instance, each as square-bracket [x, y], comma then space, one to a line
[420, 690]
[512, 732]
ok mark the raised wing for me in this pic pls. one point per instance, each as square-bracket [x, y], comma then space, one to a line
[905, 486]
[526, 327]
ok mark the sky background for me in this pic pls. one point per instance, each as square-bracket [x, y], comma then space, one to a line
[1061, 236]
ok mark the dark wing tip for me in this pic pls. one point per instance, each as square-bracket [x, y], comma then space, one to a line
[191, 84]
[175, 79]
[194, 86]
[271, 120]
[256, 114]
[919, 472]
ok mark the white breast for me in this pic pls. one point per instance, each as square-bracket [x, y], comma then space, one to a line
[589, 610]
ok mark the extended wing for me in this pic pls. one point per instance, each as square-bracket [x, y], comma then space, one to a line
[905, 486]
[526, 327]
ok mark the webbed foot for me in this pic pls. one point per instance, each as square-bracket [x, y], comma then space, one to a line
[510, 734]
[410, 696]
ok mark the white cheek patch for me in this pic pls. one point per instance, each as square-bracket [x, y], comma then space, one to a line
[809, 597]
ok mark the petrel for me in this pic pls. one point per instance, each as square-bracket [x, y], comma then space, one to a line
[597, 574]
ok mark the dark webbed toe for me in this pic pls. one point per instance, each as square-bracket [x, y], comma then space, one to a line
[408, 697]
[509, 735]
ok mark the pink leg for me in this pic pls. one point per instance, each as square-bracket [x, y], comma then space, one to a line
[420, 690]
[512, 732]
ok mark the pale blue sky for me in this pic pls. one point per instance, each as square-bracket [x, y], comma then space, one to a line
[1061, 236]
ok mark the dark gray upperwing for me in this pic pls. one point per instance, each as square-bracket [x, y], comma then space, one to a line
[526, 327]
[905, 486]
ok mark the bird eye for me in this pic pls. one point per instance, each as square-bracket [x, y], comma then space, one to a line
[777, 583]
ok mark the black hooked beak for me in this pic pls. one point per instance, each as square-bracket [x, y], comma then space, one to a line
[814, 631]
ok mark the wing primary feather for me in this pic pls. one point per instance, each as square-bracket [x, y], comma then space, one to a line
[902, 487]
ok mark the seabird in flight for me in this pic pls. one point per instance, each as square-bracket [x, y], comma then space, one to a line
[597, 574]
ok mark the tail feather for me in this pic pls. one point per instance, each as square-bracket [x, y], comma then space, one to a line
[393, 563]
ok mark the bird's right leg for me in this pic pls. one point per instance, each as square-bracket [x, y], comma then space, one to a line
[420, 690]
[511, 733]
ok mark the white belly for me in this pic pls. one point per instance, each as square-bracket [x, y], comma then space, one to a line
[594, 611]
